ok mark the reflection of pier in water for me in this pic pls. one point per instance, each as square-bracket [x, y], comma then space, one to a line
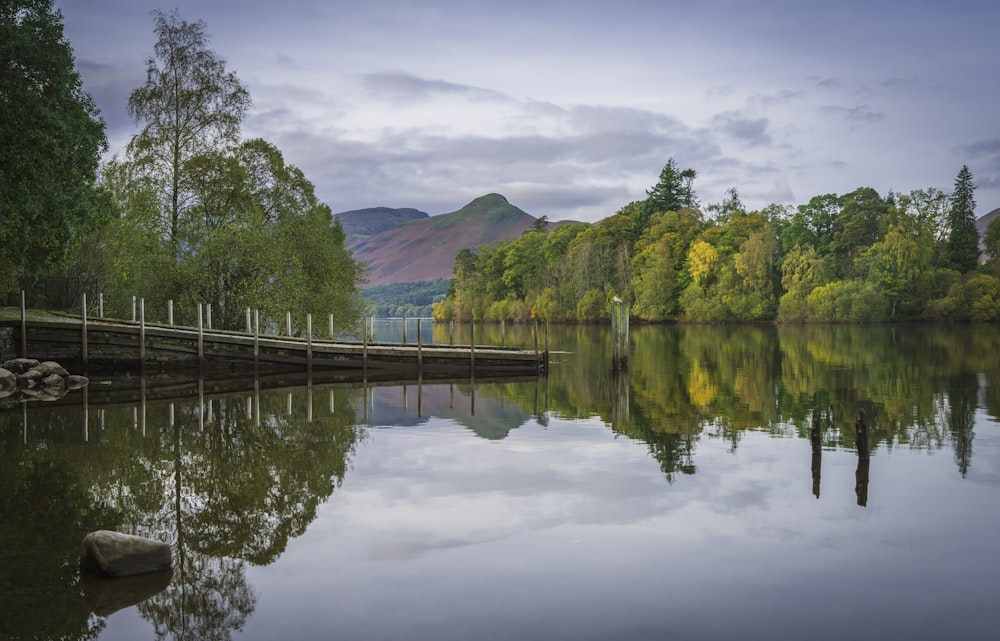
[138, 392]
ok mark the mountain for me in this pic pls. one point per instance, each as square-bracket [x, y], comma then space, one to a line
[359, 224]
[425, 248]
[984, 221]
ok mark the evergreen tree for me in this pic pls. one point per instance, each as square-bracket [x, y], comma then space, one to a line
[962, 252]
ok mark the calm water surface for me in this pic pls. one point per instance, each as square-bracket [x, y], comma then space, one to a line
[681, 500]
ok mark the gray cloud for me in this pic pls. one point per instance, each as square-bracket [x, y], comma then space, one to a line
[752, 131]
[400, 86]
[862, 114]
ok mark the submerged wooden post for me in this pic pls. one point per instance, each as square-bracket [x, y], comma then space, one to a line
[309, 342]
[256, 338]
[201, 339]
[83, 318]
[861, 435]
[24, 328]
[364, 350]
[816, 439]
[619, 334]
[142, 332]
[420, 351]
[472, 346]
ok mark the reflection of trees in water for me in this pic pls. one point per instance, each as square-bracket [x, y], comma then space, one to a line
[241, 475]
[227, 482]
[962, 392]
[918, 384]
[207, 599]
[47, 510]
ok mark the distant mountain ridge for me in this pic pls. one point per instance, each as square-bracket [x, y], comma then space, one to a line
[424, 247]
[359, 224]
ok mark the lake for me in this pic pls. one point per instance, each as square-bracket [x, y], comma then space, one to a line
[683, 498]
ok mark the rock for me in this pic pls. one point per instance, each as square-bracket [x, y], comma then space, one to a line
[20, 365]
[29, 378]
[53, 381]
[117, 554]
[8, 380]
[51, 367]
[75, 381]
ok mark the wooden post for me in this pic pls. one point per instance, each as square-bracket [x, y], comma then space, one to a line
[503, 333]
[256, 338]
[288, 323]
[536, 338]
[816, 439]
[142, 332]
[24, 328]
[83, 318]
[100, 305]
[472, 346]
[201, 339]
[372, 319]
[364, 349]
[420, 350]
[208, 315]
[309, 342]
[249, 326]
[170, 312]
[861, 435]
[331, 326]
[404, 330]
[451, 332]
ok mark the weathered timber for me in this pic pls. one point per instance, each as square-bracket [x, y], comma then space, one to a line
[125, 345]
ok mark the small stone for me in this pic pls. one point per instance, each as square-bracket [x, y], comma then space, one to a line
[118, 554]
[75, 381]
[53, 381]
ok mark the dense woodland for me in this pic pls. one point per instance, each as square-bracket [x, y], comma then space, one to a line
[859, 256]
[190, 212]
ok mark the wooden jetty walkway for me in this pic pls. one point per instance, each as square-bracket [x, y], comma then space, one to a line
[121, 345]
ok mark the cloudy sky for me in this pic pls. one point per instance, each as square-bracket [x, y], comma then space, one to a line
[570, 108]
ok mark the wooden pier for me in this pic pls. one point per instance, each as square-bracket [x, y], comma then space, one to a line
[103, 345]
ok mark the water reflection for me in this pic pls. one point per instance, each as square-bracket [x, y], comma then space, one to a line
[227, 479]
[231, 471]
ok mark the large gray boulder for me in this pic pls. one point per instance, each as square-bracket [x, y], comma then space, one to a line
[117, 554]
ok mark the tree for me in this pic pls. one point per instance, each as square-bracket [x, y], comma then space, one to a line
[962, 251]
[992, 239]
[674, 191]
[51, 137]
[190, 106]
